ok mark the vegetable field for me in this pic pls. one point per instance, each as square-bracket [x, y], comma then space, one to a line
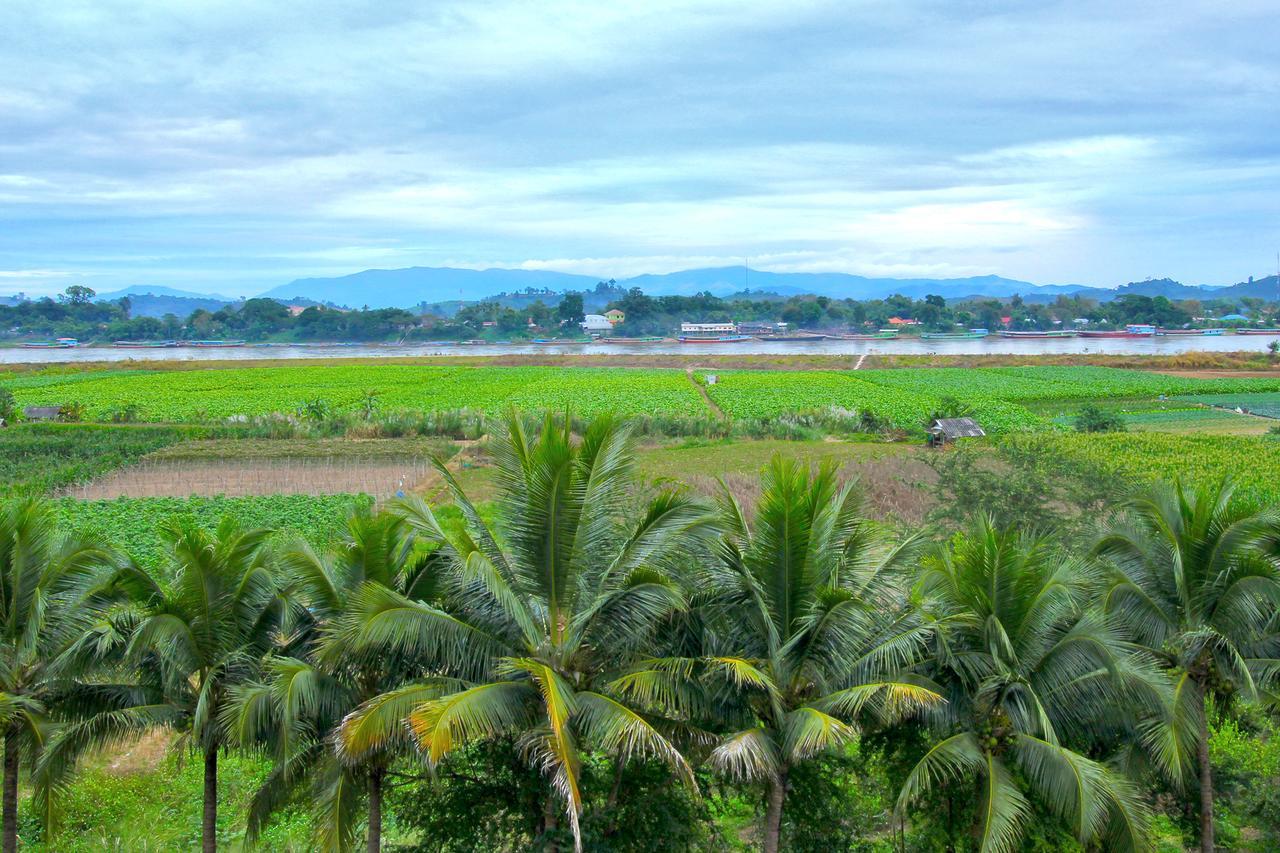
[1254, 462]
[132, 524]
[37, 459]
[1264, 403]
[999, 396]
[200, 395]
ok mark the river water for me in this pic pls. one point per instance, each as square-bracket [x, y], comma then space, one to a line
[902, 346]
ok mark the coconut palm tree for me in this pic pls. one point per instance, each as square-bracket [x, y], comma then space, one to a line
[191, 641]
[310, 688]
[805, 613]
[1196, 583]
[47, 585]
[1029, 672]
[537, 614]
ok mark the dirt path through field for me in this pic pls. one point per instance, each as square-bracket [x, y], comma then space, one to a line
[702, 392]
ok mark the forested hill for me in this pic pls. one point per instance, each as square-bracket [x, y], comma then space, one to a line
[406, 288]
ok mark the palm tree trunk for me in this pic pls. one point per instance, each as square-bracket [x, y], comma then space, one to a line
[550, 822]
[11, 791]
[773, 815]
[209, 828]
[374, 842]
[1206, 782]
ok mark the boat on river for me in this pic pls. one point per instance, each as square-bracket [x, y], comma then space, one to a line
[1189, 332]
[629, 341]
[144, 344]
[60, 343]
[971, 335]
[793, 336]
[1258, 331]
[713, 339]
[560, 341]
[882, 335]
[1056, 333]
[217, 344]
[1134, 330]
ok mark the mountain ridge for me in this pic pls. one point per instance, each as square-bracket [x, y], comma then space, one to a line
[412, 286]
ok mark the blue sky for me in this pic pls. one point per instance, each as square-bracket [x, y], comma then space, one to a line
[231, 146]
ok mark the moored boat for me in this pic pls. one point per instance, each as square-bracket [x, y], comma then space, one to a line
[1133, 331]
[1258, 331]
[611, 340]
[144, 344]
[795, 336]
[713, 339]
[58, 344]
[217, 344]
[970, 335]
[882, 335]
[1188, 332]
[559, 341]
[1056, 333]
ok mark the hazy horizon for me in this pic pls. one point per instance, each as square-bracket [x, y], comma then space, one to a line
[231, 149]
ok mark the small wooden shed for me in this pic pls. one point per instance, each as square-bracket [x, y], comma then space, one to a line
[41, 413]
[945, 430]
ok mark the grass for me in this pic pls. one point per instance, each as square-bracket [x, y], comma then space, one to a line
[145, 797]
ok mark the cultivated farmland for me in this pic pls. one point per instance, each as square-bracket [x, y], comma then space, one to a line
[901, 397]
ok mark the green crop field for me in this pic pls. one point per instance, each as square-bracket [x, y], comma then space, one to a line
[999, 396]
[1253, 461]
[1264, 403]
[132, 524]
[37, 459]
[196, 395]
[764, 394]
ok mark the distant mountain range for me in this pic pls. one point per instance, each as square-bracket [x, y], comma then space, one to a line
[156, 301]
[447, 288]
[413, 286]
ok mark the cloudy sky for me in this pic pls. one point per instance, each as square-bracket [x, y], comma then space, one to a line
[229, 146]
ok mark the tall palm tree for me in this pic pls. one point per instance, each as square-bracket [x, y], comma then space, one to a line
[308, 691]
[805, 611]
[1196, 583]
[1029, 670]
[537, 615]
[47, 583]
[191, 641]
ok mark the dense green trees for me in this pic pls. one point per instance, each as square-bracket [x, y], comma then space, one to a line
[1196, 584]
[808, 629]
[1032, 675]
[597, 634]
[47, 585]
[534, 623]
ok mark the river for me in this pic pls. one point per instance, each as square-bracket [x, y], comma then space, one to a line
[901, 346]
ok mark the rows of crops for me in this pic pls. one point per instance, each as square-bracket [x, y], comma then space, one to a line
[906, 397]
[133, 524]
[1252, 461]
[902, 396]
[210, 394]
[37, 459]
[1264, 403]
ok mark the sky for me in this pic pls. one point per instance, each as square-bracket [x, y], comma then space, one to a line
[229, 146]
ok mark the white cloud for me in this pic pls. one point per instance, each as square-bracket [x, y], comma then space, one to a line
[250, 143]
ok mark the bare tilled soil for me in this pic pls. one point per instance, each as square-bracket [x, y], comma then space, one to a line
[379, 478]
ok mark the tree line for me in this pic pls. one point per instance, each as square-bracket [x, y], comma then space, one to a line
[76, 314]
[1025, 684]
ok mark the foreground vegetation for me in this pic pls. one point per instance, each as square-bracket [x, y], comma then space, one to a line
[592, 659]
